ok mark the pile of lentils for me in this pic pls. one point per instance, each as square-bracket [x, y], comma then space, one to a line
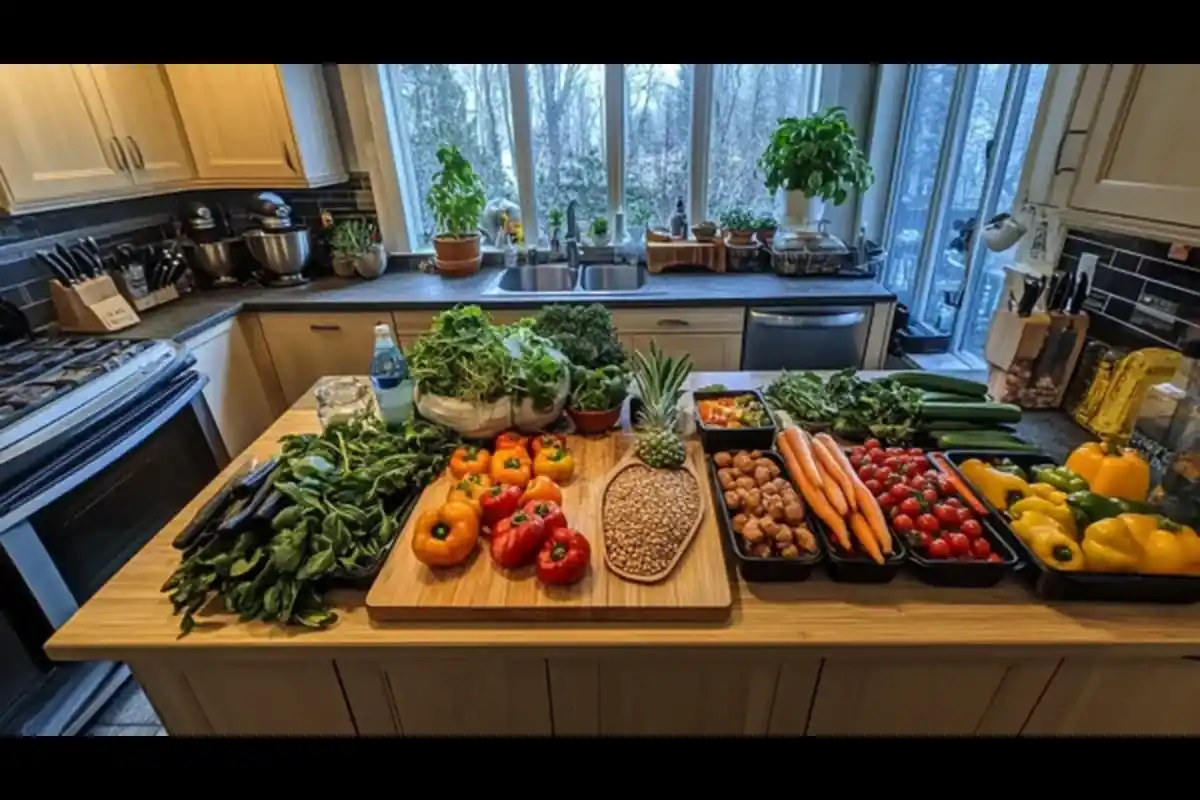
[648, 514]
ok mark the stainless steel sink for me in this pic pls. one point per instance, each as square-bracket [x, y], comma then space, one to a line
[542, 278]
[612, 278]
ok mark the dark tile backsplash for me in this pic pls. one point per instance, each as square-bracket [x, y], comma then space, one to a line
[1140, 298]
[139, 221]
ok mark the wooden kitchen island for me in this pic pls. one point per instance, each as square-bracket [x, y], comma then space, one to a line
[814, 657]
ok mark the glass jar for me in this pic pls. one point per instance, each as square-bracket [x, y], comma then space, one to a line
[341, 399]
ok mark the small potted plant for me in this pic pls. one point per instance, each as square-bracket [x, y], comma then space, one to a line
[764, 230]
[356, 249]
[739, 226]
[456, 199]
[813, 160]
[596, 397]
[704, 231]
[556, 223]
[599, 231]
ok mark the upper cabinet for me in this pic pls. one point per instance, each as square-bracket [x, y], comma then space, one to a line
[78, 133]
[1141, 158]
[250, 123]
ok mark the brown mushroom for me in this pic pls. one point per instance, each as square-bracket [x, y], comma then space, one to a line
[793, 513]
[723, 459]
[733, 501]
[761, 550]
[739, 522]
[727, 478]
[747, 482]
[751, 532]
[761, 476]
[742, 462]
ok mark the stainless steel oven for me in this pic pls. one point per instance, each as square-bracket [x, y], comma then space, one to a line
[69, 525]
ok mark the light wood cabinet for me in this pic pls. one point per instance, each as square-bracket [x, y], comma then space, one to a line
[710, 352]
[145, 122]
[1140, 159]
[711, 336]
[235, 395]
[305, 347]
[250, 124]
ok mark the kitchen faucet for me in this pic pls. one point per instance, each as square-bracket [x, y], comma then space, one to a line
[572, 237]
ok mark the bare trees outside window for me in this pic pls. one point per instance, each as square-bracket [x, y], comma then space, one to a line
[658, 123]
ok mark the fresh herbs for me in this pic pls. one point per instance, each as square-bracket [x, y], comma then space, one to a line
[463, 356]
[737, 219]
[456, 196]
[345, 487]
[818, 155]
[353, 237]
[584, 334]
[852, 407]
[537, 374]
[600, 389]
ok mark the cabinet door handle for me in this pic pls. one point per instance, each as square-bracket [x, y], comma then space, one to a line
[119, 155]
[673, 323]
[138, 161]
[287, 157]
[324, 328]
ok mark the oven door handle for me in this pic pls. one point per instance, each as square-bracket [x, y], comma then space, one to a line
[64, 473]
[843, 319]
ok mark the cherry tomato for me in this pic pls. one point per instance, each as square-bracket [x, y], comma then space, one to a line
[915, 451]
[858, 452]
[900, 491]
[874, 487]
[911, 507]
[929, 524]
[971, 529]
[878, 457]
[931, 496]
[920, 464]
[980, 548]
[965, 515]
[938, 548]
[894, 451]
[886, 501]
[920, 540]
[953, 501]
[995, 558]
[902, 523]
[918, 483]
[947, 516]
[945, 486]
[893, 480]
[882, 474]
[866, 472]
[959, 544]
[893, 463]
[872, 444]
[856, 461]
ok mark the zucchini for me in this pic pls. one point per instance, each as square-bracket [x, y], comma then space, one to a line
[950, 397]
[947, 425]
[983, 440]
[971, 412]
[933, 382]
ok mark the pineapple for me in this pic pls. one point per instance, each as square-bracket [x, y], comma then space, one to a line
[659, 381]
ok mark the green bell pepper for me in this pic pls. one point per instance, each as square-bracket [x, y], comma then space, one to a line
[1094, 506]
[1005, 465]
[1060, 478]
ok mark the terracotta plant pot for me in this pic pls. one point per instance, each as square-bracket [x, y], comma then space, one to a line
[765, 236]
[740, 237]
[457, 255]
[594, 421]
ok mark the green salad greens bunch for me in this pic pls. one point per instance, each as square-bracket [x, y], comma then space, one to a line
[583, 333]
[462, 356]
[850, 406]
[598, 389]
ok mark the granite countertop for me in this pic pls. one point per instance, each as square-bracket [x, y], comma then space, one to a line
[411, 290]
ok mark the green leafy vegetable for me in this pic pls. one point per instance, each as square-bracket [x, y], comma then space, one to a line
[345, 487]
[538, 374]
[818, 155]
[463, 356]
[582, 333]
[598, 389]
[852, 407]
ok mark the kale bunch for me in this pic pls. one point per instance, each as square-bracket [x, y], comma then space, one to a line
[584, 334]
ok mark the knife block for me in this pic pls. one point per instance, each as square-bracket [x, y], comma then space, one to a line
[1029, 365]
[132, 286]
[93, 306]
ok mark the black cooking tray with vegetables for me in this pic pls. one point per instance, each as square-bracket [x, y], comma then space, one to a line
[858, 567]
[715, 438]
[1053, 584]
[363, 577]
[755, 568]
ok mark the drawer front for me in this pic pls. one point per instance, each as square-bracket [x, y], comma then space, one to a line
[679, 320]
[306, 347]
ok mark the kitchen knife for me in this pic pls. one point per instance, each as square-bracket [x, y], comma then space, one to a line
[1060, 288]
[64, 265]
[1029, 297]
[63, 277]
[238, 522]
[82, 256]
[187, 537]
[79, 268]
[93, 248]
[249, 483]
[1075, 304]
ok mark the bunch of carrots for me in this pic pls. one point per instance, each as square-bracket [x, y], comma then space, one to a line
[834, 492]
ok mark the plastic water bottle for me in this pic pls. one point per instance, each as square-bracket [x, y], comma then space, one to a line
[390, 378]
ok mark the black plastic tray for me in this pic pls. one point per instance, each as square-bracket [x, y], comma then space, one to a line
[1054, 584]
[966, 574]
[715, 440]
[753, 568]
[363, 577]
[859, 568]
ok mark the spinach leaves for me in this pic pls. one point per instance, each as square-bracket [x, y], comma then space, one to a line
[850, 406]
[345, 487]
[462, 356]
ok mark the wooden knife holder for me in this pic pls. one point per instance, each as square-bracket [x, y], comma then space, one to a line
[92, 306]
[132, 285]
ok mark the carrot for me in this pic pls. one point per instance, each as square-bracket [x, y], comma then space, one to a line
[943, 464]
[868, 506]
[812, 495]
[837, 498]
[862, 532]
[834, 468]
[798, 441]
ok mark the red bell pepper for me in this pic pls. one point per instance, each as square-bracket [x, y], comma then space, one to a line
[517, 540]
[551, 440]
[550, 512]
[498, 502]
[511, 440]
[564, 558]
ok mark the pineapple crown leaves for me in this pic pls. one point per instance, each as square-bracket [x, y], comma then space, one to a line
[660, 380]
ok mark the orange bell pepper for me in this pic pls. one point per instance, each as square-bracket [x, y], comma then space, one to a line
[1111, 471]
[470, 490]
[446, 536]
[512, 466]
[469, 461]
[546, 440]
[542, 488]
[555, 463]
[510, 440]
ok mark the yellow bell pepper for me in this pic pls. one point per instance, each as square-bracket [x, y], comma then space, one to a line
[1057, 550]
[1110, 546]
[1059, 512]
[1140, 525]
[1032, 524]
[1191, 547]
[1111, 472]
[555, 463]
[1170, 548]
[1165, 554]
[995, 485]
[1048, 492]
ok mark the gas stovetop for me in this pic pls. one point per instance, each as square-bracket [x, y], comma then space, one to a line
[34, 373]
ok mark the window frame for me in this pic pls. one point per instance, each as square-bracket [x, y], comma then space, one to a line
[398, 198]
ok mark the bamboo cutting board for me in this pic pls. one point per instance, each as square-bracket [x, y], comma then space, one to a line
[697, 590]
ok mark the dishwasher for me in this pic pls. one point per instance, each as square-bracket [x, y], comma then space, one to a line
[805, 337]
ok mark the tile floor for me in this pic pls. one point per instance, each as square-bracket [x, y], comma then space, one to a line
[128, 713]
